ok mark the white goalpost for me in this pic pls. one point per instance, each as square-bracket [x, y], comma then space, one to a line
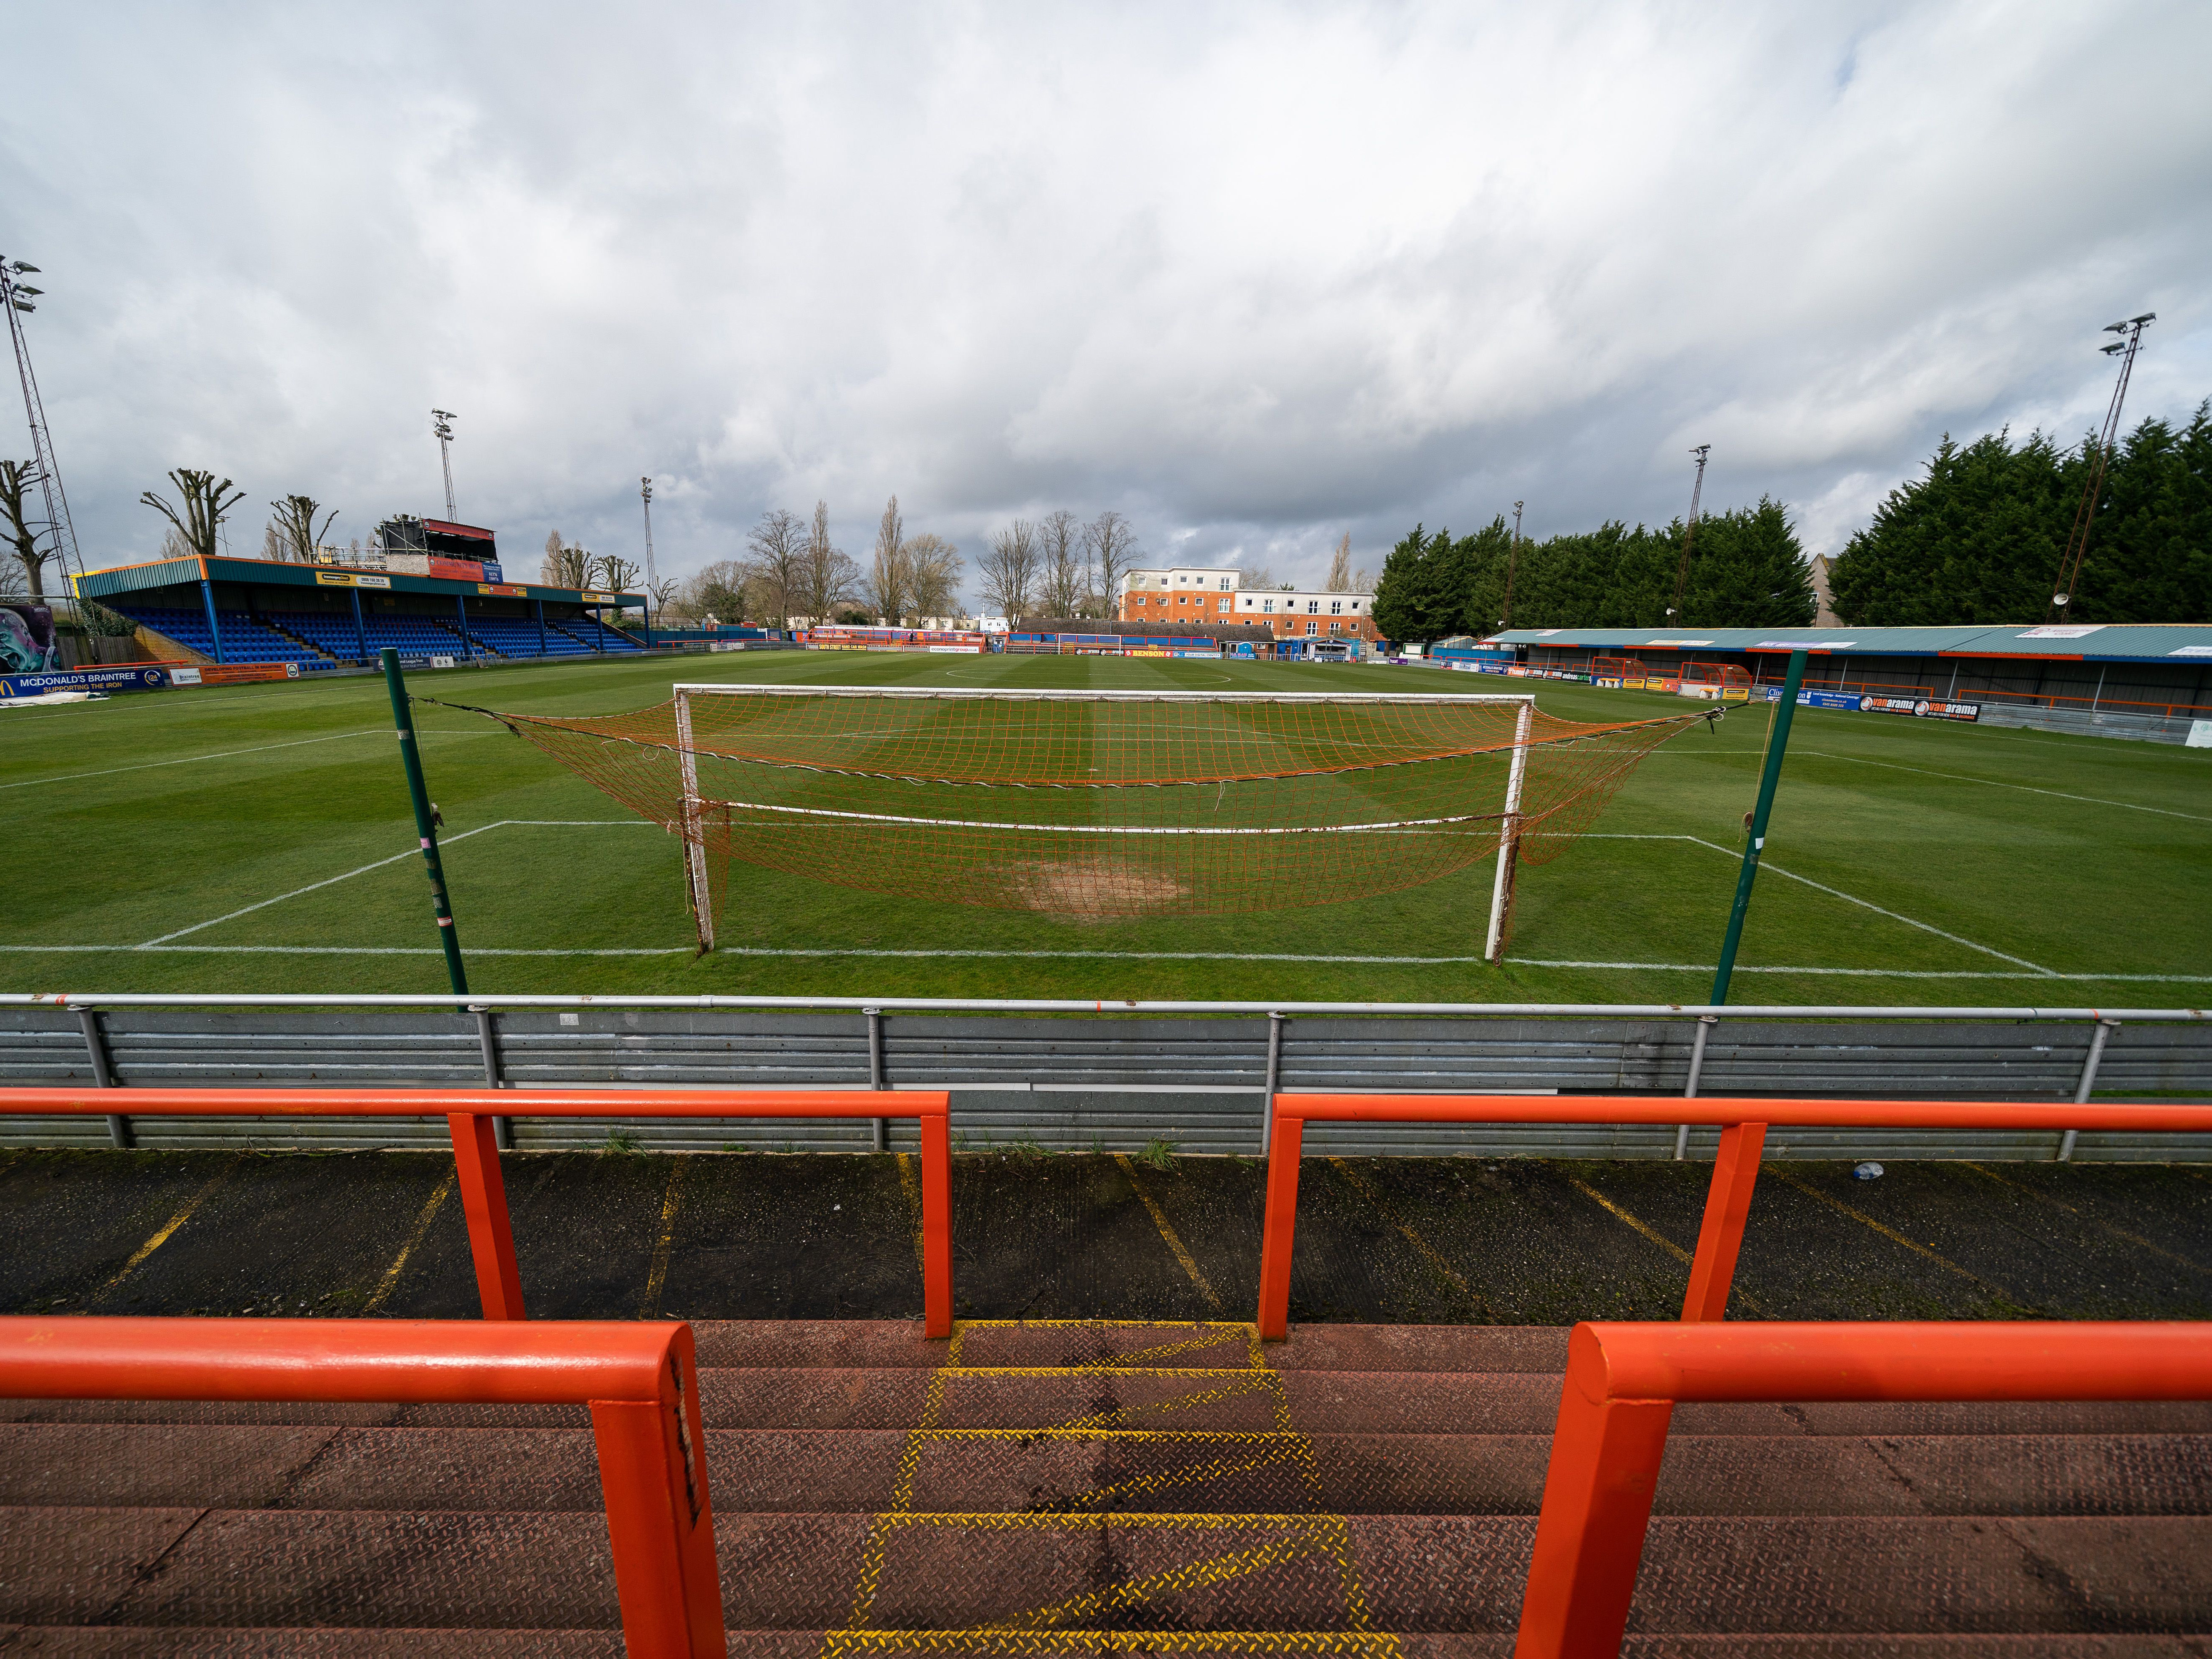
[695, 807]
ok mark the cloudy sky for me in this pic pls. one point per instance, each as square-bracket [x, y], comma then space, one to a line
[1255, 275]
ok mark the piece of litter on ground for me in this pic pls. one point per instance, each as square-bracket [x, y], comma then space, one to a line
[1868, 1171]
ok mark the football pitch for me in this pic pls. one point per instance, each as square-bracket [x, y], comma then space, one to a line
[258, 839]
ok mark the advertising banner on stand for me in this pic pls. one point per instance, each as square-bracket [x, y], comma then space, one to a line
[128, 677]
[1924, 707]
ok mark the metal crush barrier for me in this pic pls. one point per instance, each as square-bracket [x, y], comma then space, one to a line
[1074, 1077]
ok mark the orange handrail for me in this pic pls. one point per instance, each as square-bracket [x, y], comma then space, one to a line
[1623, 1380]
[1743, 1124]
[469, 1113]
[640, 1382]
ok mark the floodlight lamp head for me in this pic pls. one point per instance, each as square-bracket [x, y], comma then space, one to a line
[2147, 317]
[2110, 349]
[20, 265]
[2116, 328]
[25, 287]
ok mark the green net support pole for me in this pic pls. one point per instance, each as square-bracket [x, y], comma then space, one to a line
[425, 822]
[1755, 842]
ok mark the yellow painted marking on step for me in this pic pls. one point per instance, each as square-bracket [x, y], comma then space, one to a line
[1174, 1244]
[1428, 1252]
[1021, 1642]
[2135, 1239]
[1247, 1381]
[1213, 1469]
[1188, 1576]
[1323, 1533]
[169, 1229]
[913, 1187]
[390, 1282]
[1892, 1235]
[648, 1306]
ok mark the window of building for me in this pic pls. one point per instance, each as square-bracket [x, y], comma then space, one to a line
[1227, 582]
[1355, 605]
[1267, 604]
[1313, 628]
[1222, 606]
[1313, 608]
[1336, 607]
[1336, 627]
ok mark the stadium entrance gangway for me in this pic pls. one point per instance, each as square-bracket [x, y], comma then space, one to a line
[1623, 1382]
[1743, 1124]
[469, 1114]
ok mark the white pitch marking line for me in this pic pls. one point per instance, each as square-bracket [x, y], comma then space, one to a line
[1836, 892]
[1100, 956]
[188, 760]
[412, 852]
[1894, 915]
[1999, 783]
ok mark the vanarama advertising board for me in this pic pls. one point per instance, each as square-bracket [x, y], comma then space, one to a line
[1926, 708]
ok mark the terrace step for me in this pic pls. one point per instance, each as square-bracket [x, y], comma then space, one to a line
[1102, 1478]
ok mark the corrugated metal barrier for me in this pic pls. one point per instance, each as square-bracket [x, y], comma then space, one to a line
[1108, 1077]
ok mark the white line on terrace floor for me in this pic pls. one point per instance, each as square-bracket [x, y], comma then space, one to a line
[412, 852]
[1999, 783]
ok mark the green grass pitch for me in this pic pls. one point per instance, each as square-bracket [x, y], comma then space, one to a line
[258, 839]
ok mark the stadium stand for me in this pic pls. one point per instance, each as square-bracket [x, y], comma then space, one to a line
[595, 635]
[517, 636]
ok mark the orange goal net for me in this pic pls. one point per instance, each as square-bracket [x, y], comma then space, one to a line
[1091, 806]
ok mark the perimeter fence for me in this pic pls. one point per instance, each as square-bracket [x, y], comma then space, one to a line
[1097, 1076]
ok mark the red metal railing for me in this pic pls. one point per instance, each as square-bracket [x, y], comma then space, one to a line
[639, 1380]
[1623, 1381]
[1743, 1125]
[469, 1113]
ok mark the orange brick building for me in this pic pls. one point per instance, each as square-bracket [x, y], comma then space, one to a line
[1193, 594]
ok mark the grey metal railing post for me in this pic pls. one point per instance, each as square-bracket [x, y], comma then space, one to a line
[1274, 1077]
[502, 1128]
[880, 1138]
[1705, 1023]
[2105, 1029]
[103, 1075]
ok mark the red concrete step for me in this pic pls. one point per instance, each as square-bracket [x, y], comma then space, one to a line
[506, 1571]
[786, 1471]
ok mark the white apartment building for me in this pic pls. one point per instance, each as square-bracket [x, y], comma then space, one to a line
[1198, 593]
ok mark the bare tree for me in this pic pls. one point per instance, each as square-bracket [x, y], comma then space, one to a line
[665, 594]
[932, 574]
[1339, 567]
[1363, 582]
[1256, 576]
[1008, 572]
[295, 524]
[564, 566]
[1065, 586]
[204, 508]
[886, 590]
[1112, 543]
[777, 548]
[24, 561]
[828, 577]
[613, 574]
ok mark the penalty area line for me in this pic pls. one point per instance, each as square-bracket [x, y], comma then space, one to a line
[412, 852]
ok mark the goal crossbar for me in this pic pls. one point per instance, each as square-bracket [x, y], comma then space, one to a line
[1135, 804]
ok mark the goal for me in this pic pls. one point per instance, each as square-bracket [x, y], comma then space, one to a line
[1093, 806]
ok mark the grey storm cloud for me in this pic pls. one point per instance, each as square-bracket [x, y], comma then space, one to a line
[1255, 275]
